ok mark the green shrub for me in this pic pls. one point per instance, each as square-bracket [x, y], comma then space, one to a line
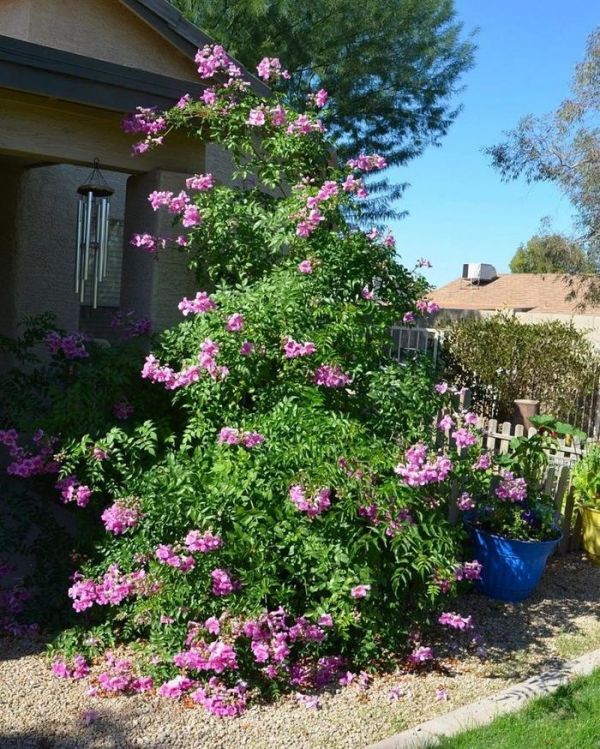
[502, 359]
[255, 523]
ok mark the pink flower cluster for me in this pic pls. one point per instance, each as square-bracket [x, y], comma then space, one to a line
[311, 214]
[122, 409]
[231, 436]
[77, 669]
[111, 590]
[222, 583]
[213, 59]
[331, 376]
[327, 671]
[312, 506]
[468, 571]
[166, 555]
[445, 423]
[420, 655]
[176, 687]
[12, 603]
[148, 242]
[455, 621]
[200, 304]
[179, 205]
[419, 472]
[24, 464]
[365, 163]
[155, 372]
[195, 541]
[427, 306]
[303, 125]
[220, 700]
[256, 117]
[292, 349]
[120, 516]
[119, 678]
[319, 98]
[408, 317]
[204, 542]
[217, 656]
[465, 502]
[511, 488]
[270, 68]
[200, 182]
[464, 438]
[148, 121]
[130, 325]
[483, 462]
[272, 638]
[360, 591]
[145, 120]
[72, 491]
[354, 186]
[70, 346]
[367, 293]
[235, 323]
[305, 267]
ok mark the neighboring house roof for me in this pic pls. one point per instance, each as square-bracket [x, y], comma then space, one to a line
[527, 292]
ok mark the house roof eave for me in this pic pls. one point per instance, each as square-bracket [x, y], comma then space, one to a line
[181, 33]
[36, 69]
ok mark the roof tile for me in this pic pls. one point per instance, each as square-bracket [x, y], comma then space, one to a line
[532, 292]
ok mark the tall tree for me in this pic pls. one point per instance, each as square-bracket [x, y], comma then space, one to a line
[563, 147]
[550, 253]
[391, 67]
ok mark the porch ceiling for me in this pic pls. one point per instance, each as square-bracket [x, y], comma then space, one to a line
[37, 129]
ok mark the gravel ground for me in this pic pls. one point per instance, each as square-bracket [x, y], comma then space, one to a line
[562, 621]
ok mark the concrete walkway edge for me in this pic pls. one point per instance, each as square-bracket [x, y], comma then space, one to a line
[484, 711]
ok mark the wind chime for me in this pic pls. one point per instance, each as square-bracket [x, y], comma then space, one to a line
[93, 214]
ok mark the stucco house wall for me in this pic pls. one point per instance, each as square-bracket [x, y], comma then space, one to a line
[69, 71]
[100, 29]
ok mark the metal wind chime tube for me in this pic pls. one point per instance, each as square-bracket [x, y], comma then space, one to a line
[93, 216]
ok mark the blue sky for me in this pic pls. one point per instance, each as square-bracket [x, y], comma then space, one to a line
[459, 210]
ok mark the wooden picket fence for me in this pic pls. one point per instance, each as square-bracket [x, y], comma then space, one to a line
[497, 438]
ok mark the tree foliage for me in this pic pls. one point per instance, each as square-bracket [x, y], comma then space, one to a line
[551, 253]
[563, 147]
[391, 67]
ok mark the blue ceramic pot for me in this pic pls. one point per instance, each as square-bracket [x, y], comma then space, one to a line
[511, 569]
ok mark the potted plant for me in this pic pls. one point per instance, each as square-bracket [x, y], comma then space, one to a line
[586, 488]
[514, 525]
[514, 530]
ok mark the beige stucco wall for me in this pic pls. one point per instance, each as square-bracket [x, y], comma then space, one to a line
[588, 323]
[153, 285]
[37, 252]
[50, 130]
[104, 29]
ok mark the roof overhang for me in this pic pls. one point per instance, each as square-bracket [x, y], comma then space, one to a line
[166, 20]
[35, 69]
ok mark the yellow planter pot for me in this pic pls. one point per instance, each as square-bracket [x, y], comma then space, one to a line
[591, 533]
